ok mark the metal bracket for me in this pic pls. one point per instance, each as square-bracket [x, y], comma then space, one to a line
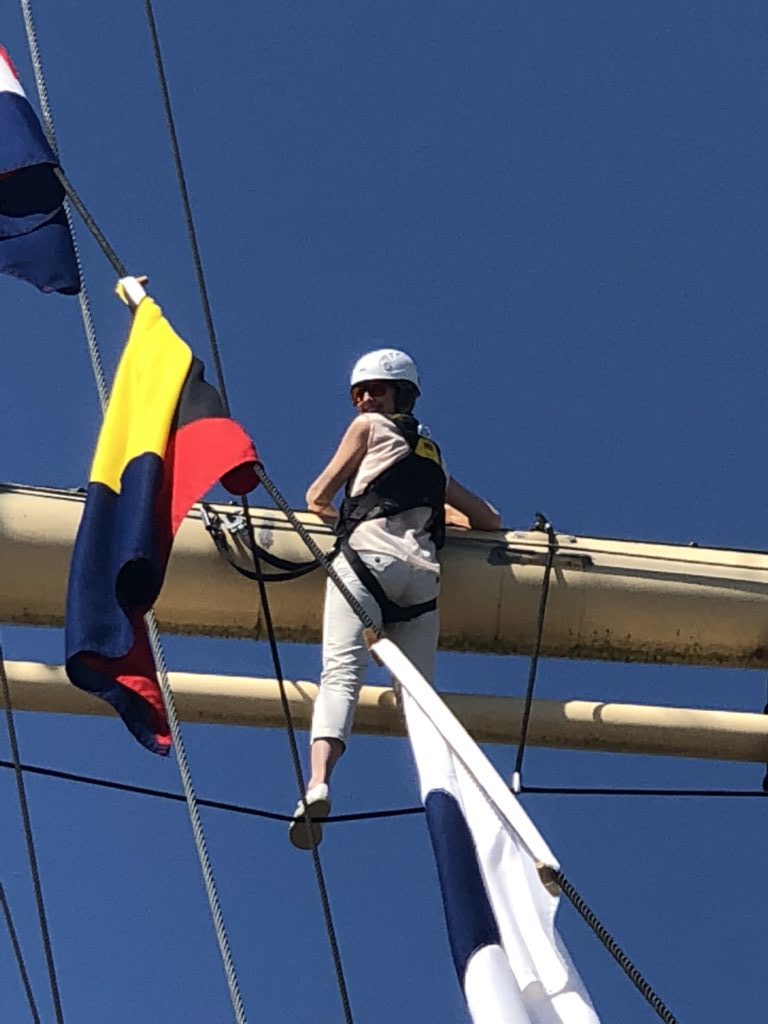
[501, 554]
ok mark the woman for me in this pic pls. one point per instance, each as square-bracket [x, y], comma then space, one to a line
[391, 524]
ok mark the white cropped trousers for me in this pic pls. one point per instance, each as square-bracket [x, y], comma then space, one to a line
[345, 653]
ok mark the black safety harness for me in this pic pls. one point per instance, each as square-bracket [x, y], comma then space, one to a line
[415, 481]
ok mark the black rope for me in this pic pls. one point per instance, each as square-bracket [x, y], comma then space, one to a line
[213, 343]
[613, 948]
[219, 805]
[543, 524]
[296, 761]
[182, 182]
[90, 223]
[630, 791]
[19, 957]
[394, 812]
[30, 842]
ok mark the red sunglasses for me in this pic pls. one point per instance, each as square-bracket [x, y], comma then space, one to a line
[374, 388]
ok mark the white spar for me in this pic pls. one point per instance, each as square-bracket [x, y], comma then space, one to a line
[562, 724]
[609, 599]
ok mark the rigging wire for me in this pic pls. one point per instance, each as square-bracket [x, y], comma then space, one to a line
[215, 355]
[543, 524]
[30, 842]
[19, 956]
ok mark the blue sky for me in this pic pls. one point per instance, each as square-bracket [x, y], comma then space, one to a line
[560, 210]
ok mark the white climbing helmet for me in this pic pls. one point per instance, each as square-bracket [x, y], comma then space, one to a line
[385, 364]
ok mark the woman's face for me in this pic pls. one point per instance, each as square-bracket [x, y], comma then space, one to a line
[374, 396]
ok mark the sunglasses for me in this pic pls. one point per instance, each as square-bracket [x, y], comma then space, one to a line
[374, 388]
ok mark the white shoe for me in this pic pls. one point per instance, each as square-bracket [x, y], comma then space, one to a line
[318, 805]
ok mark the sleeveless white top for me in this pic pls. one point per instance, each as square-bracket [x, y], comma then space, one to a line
[405, 535]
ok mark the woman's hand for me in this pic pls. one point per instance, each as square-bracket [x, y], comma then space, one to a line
[455, 518]
[326, 512]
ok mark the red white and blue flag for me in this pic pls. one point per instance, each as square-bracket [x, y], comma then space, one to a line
[35, 241]
[509, 958]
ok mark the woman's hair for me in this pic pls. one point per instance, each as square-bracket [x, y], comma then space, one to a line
[405, 395]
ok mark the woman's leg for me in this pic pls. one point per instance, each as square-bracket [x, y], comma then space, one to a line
[324, 754]
[345, 657]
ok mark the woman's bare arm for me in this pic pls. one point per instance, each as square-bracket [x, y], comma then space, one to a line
[341, 468]
[465, 508]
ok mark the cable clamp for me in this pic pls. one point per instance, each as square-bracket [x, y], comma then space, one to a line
[234, 523]
[216, 523]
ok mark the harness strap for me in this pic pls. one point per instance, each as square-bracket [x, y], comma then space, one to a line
[390, 612]
[288, 570]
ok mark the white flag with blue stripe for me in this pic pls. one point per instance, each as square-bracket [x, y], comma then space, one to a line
[508, 956]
